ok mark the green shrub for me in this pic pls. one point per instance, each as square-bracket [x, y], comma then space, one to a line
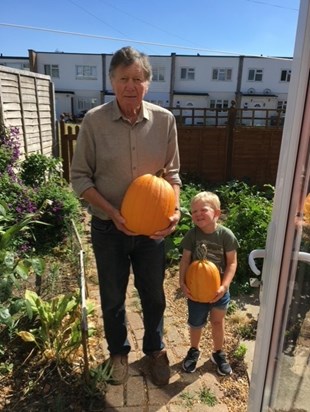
[246, 211]
[37, 169]
[36, 184]
[59, 206]
[248, 216]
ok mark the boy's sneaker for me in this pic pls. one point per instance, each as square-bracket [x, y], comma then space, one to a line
[223, 367]
[190, 361]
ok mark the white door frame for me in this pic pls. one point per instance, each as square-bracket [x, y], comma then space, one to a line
[277, 261]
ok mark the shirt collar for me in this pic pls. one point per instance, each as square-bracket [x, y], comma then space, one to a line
[117, 114]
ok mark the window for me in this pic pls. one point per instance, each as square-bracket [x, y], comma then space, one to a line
[218, 104]
[158, 74]
[52, 70]
[255, 75]
[20, 66]
[158, 102]
[187, 73]
[86, 72]
[223, 74]
[85, 103]
[282, 105]
[285, 75]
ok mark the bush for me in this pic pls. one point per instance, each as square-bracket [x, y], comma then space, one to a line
[35, 184]
[246, 211]
[37, 169]
[59, 206]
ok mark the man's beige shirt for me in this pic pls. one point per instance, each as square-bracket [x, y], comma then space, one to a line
[110, 152]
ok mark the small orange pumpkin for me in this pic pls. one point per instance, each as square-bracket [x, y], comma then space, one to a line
[202, 277]
[307, 209]
[148, 204]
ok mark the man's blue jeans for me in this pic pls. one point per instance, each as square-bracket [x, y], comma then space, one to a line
[115, 252]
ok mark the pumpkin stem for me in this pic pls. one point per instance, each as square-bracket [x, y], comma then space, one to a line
[161, 172]
[202, 251]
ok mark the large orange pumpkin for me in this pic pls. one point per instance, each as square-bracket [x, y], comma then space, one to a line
[148, 204]
[202, 277]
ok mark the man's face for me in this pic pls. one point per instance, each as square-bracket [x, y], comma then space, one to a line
[129, 86]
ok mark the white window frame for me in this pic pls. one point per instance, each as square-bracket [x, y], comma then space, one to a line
[52, 70]
[187, 73]
[282, 105]
[222, 74]
[86, 103]
[219, 104]
[255, 75]
[85, 72]
[158, 74]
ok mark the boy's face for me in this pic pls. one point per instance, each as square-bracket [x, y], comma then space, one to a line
[203, 214]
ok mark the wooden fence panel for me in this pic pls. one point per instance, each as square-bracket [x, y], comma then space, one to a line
[215, 154]
[27, 102]
[255, 154]
[203, 151]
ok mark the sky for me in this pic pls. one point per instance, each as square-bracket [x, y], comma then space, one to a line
[162, 27]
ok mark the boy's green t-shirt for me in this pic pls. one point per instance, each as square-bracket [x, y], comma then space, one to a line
[219, 242]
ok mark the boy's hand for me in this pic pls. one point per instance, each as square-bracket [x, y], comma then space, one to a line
[219, 294]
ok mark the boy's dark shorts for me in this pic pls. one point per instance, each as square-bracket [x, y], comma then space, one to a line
[198, 312]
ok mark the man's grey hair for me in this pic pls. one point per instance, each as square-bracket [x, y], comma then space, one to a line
[126, 56]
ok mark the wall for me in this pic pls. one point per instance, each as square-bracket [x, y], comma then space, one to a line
[27, 102]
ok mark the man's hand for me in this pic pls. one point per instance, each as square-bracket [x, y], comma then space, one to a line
[174, 220]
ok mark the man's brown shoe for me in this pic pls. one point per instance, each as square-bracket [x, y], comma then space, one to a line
[159, 368]
[119, 369]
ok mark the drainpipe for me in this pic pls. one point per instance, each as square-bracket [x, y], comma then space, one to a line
[239, 80]
[172, 79]
[32, 60]
[104, 73]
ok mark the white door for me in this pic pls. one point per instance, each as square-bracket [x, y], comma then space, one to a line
[281, 372]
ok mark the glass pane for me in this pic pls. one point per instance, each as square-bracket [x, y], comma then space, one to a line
[291, 383]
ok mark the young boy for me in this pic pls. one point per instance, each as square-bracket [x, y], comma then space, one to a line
[221, 250]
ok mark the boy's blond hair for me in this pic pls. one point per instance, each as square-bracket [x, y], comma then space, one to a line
[208, 197]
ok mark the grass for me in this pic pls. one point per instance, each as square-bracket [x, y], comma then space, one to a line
[207, 397]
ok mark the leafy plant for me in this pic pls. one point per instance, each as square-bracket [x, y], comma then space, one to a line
[37, 169]
[249, 220]
[98, 379]
[188, 398]
[232, 307]
[57, 324]
[173, 242]
[9, 149]
[59, 205]
[205, 396]
[13, 268]
[247, 330]
[240, 352]
[33, 184]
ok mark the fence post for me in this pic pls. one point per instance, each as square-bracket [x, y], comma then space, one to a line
[231, 123]
[64, 151]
